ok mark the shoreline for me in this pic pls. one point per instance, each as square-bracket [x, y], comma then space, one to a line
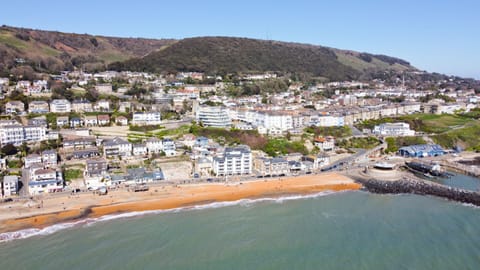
[64, 209]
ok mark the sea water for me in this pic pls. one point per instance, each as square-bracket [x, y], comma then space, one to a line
[345, 230]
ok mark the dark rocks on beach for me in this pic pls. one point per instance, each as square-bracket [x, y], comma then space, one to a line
[422, 188]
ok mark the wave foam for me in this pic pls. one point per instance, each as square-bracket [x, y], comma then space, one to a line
[27, 233]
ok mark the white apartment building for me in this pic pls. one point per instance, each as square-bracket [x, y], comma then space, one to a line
[60, 106]
[42, 180]
[12, 134]
[275, 120]
[10, 185]
[393, 129]
[213, 116]
[146, 118]
[35, 133]
[234, 161]
[17, 134]
[327, 120]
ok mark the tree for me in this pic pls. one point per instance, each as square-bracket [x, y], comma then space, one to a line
[8, 150]
[23, 149]
[392, 147]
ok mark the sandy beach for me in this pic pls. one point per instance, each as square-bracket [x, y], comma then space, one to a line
[56, 209]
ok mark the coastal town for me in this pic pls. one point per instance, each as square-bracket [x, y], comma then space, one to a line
[78, 131]
[239, 135]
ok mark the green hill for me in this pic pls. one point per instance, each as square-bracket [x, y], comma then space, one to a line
[51, 51]
[220, 55]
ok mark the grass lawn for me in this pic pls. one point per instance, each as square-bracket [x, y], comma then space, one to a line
[71, 174]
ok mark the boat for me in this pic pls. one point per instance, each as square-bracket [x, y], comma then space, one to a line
[426, 169]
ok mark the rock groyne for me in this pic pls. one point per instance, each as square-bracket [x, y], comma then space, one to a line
[421, 187]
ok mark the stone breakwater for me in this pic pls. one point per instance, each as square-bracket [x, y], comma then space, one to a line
[421, 187]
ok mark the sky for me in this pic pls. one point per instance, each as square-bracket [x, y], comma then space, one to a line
[438, 36]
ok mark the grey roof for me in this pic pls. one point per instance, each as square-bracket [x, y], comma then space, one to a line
[115, 141]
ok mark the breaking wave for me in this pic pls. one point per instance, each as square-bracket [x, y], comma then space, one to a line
[27, 233]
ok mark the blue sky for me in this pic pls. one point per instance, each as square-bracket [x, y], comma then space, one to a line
[437, 36]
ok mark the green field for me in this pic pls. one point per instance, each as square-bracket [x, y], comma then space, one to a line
[364, 143]
[9, 39]
[428, 123]
[71, 174]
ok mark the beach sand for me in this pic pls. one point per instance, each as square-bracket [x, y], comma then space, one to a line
[56, 209]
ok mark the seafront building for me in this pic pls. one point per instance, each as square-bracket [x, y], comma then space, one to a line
[10, 185]
[233, 161]
[41, 180]
[265, 166]
[421, 150]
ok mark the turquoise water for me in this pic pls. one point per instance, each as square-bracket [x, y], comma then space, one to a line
[349, 230]
[459, 181]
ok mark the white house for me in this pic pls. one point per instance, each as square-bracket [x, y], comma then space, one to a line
[14, 107]
[169, 147]
[122, 121]
[140, 149]
[154, 145]
[90, 120]
[325, 143]
[49, 158]
[102, 106]
[62, 121]
[32, 159]
[38, 106]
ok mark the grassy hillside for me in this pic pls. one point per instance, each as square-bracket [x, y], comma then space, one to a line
[242, 55]
[466, 137]
[428, 123]
[54, 51]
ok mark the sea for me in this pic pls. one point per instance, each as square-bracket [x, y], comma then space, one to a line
[341, 230]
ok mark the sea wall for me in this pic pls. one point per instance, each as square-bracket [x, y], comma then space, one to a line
[421, 187]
